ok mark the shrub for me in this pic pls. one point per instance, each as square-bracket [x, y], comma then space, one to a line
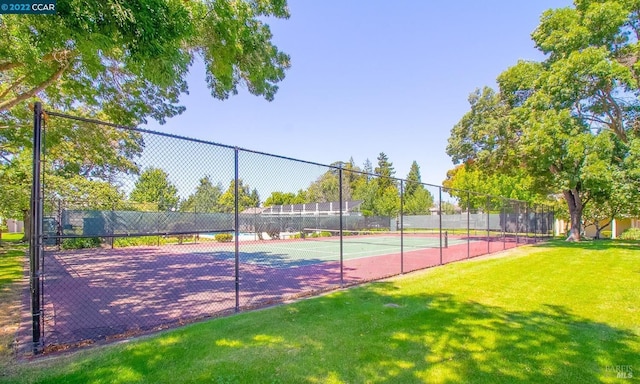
[321, 234]
[80, 242]
[138, 240]
[223, 237]
[631, 234]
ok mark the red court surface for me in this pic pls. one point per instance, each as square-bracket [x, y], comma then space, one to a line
[104, 294]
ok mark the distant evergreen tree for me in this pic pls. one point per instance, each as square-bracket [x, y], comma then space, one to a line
[385, 171]
[204, 199]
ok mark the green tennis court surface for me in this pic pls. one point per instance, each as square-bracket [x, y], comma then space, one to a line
[300, 252]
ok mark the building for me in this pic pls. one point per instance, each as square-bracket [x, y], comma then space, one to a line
[617, 227]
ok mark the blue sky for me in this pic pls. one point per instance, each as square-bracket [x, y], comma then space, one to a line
[370, 77]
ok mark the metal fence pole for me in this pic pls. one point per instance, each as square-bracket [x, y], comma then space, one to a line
[526, 222]
[236, 230]
[535, 224]
[59, 228]
[504, 224]
[35, 246]
[401, 226]
[468, 225]
[488, 226]
[341, 230]
[543, 220]
[440, 220]
[517, 222]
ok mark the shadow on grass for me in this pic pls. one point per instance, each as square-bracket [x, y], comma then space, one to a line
[592, 244]
[374, 334]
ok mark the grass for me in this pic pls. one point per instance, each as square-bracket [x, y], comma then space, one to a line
[12, 257]
[555, 312]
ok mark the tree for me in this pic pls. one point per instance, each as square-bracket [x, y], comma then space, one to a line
[153, 186]
[617, 202]
[133, 63]
[448, 208]
[384, 171]
[418, 203]
[325, 189]
[570, 121]
[387, 201]
[413, 181]
[246, 199]
[124, 62]
[255, 197]
[204, 199]
[82, 164]
[353, 178]
[467, 177]
[367, 192]
[367, 168]
[417, 200]
[284, 198]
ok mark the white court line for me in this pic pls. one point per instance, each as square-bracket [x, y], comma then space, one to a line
[330, 255]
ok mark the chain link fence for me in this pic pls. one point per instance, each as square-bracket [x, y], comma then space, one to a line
[135, 231]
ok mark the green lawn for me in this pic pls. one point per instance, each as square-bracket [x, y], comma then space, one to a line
[12, 237]
[12, 256]
[565, 313]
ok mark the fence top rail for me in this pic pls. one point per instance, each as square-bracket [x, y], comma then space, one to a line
[338, 166]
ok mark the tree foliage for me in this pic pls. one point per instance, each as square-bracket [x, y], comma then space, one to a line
[284, 198]
[204, 199]
[385, 172]
[467, 177]
[153, 186]
[417, 199]
[129, 60]
[79, 168]
[123, 62]
[571, 121]
[246, 199]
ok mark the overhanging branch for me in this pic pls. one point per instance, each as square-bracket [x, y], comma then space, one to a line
[7, 105]
[12, 87]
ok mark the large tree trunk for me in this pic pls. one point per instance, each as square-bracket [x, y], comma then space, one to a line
[574, 203]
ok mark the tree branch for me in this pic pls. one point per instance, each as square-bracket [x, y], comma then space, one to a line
[7, 105]
[9, 66]
[12, 86]
[616, 123]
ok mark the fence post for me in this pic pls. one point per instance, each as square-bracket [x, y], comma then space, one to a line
[535, 224]
[341, 229]
[517, 222]
[503, 219]
[543, 221]
[468, 224]
[35, 246]
[401, 226]
[236, 218]
[440, 219]
[488, 226]
[59, 229]
[526, 222]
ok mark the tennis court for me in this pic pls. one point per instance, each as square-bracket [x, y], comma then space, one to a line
[357, 244]
[104, 293]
